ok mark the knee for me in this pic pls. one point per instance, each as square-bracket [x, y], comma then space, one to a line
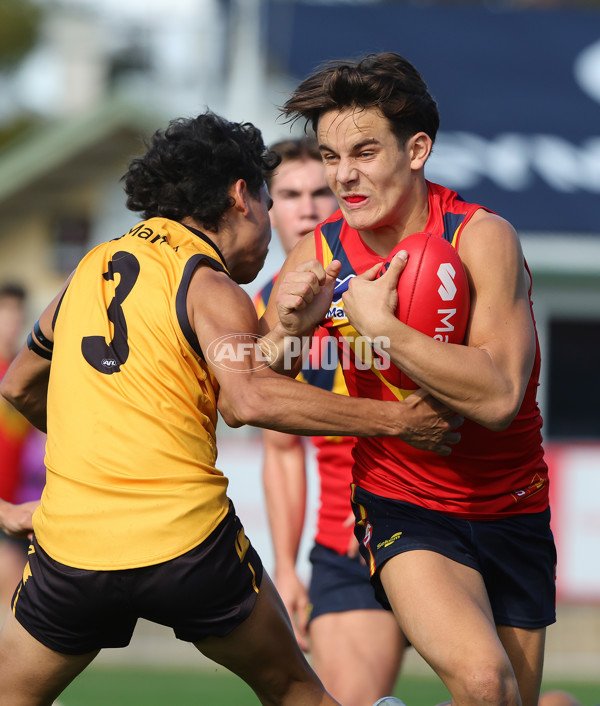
[491, 686]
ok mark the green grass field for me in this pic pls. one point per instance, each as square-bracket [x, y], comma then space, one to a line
[103, 686]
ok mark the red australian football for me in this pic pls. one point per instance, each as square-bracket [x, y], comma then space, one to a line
[433, 294]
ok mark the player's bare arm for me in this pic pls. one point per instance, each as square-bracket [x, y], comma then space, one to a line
[15, 520]
[25, 384]
[304, 296]
[302, 301]
[265, 399]
[284, 481]
[298, 302]
[284, 478]
[301, 294]
[303, 252]
[484, 380]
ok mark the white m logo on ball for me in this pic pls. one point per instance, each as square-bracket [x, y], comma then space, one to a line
[446, 274]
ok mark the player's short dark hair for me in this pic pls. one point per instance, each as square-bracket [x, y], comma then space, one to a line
[190, 167]
[295, 149]
[386, 81]
[12, 290]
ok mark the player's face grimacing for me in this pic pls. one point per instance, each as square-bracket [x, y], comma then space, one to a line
[301, 200]
[367, 169]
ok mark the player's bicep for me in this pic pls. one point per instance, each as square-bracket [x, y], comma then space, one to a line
[226, 311]
[500, 320]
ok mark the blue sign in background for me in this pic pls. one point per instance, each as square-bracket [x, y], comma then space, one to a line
[518, 92]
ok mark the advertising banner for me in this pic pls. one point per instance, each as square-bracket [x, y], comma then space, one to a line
[518, 93]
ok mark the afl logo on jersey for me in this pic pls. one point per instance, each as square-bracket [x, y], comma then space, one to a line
[109, 362]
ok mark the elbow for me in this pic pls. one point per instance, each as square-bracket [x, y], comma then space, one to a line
[11, 393]
[240, 409]
[231, 415]
[499, 423]
[500, 416]
[230, 419]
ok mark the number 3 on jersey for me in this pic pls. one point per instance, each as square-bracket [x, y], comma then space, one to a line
[105, 357]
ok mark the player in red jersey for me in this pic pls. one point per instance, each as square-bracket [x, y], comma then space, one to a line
[460, 545]
[340, 603]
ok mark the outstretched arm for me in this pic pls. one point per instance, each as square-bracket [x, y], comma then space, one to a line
[251, 394]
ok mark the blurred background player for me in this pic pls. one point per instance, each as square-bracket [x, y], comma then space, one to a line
[21, 446]
[340, 606]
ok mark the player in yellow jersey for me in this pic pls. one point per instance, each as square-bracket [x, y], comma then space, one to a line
[126, 369]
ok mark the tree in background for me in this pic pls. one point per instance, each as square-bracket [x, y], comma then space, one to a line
[20, 21]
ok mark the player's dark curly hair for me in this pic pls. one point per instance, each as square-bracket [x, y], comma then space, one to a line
[190, 167]
[384, 81]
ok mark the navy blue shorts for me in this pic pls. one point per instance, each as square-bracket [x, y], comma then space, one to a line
[515, 555]
[339, 583]
[207, 591]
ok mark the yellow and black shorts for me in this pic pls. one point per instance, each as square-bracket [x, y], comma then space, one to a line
[208, 591]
